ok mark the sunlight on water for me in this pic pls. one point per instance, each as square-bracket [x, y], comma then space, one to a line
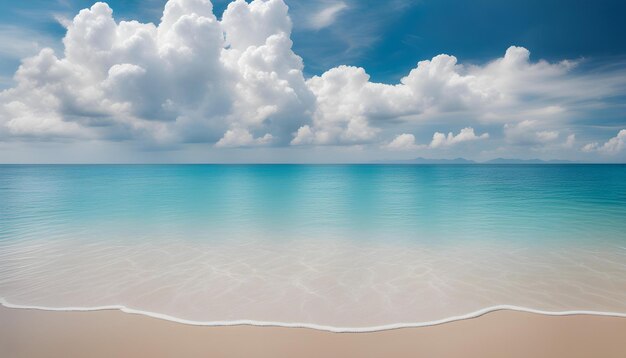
[349, 246]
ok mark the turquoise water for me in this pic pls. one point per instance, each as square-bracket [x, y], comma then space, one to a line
[331, 245]
[423, 203]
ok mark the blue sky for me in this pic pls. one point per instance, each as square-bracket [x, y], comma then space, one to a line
[385, 39]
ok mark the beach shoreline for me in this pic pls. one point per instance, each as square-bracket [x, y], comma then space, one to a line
[314, 326]
[42, 333]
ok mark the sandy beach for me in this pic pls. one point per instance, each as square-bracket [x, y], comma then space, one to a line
[111, 333]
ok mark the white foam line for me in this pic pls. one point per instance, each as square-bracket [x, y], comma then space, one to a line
[246, 322]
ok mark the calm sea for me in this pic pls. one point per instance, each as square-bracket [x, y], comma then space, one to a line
[338, 245]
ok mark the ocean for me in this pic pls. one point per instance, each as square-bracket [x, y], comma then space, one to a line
[334, 246]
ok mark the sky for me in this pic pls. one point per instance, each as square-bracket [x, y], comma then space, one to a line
[311, 81]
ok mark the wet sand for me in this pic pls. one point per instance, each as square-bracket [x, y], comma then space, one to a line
[111, 333]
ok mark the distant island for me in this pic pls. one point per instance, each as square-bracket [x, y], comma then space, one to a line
[420, 160]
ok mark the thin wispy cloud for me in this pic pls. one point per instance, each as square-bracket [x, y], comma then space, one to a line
[18, 42]
[327, 15]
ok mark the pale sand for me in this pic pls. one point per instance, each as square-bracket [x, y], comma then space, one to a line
[35, 333]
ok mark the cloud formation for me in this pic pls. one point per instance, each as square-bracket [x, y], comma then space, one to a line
[348, 103]
[529, 132]
[465, 135]
[403, 141]
[613, 146]
[237, 82]
[440, 140]
[192, 78]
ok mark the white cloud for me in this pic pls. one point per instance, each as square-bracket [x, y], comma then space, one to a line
[403, 141]
[494, 92]
[189, 79]
[237, 82]
[529, 132]
[339, 118]
[440, 140]
[612, 146]
[238, 137]
[465, 135]
[590, 147]
[327, 15]
[251, 24]
[569, 142]
[304, 135]
[615, 144]
[62, 20]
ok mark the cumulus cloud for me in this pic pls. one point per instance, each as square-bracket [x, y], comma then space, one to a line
[237, 82]
[465, 135]
[403, 141]
[529, 132]
[192, 78]
[612, 146]
[348, 103]
[239, 137]
[440, 140]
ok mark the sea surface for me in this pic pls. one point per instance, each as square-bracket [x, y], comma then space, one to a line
[351, 246]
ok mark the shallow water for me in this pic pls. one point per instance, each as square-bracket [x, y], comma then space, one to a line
[340, 245]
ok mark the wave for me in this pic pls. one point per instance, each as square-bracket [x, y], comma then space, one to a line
[334, 329]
